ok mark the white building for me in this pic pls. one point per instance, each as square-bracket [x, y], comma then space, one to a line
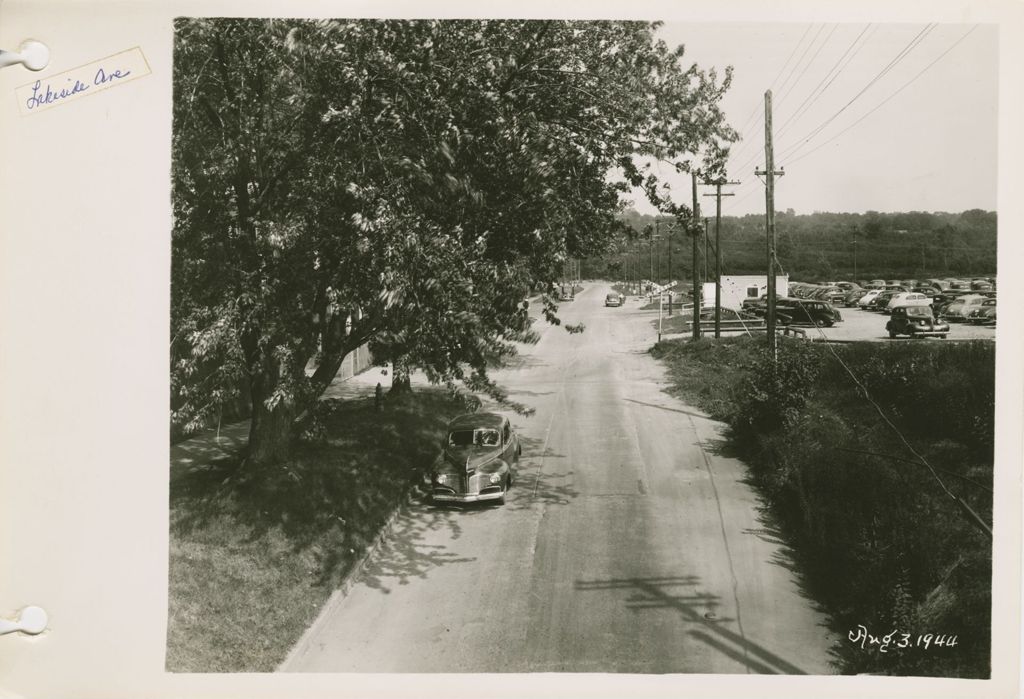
[735, 288]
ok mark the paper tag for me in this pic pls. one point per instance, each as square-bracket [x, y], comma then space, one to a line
[55, 90]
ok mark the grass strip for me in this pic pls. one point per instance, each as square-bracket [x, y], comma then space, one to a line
[254, 555]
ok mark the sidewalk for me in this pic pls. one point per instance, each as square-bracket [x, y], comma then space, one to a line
[211, 444]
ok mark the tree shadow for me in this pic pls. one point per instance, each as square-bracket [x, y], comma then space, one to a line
[663, 593]
[331, 499]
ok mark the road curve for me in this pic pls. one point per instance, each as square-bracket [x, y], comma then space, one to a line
[630, 543]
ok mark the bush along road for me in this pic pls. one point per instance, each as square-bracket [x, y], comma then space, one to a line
[889, 554]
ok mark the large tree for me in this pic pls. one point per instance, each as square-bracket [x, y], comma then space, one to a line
[399, 182]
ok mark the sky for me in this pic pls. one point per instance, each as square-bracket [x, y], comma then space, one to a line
[922, 136]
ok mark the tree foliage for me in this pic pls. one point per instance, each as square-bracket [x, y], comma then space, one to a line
[403, 183]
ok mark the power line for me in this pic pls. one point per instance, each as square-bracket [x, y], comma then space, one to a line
[757, 107]
[911, 45]
[796, 65]
[809, 63]
[818, 90]
[883, 102]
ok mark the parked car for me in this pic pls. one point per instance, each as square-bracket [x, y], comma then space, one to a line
[566, 295]
[985, 314]
[853, 296]
[865, 301]
[479, 460]
[877, 284]
[908, 298]
[882, 300]
[915, 321]
[612, 299]
[789, 311]
[962, 307]
[939, 284]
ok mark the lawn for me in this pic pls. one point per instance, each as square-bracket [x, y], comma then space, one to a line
[255, 554]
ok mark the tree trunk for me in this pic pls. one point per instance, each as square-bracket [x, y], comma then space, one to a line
[270, 429]
[400, 380]
[270, 432]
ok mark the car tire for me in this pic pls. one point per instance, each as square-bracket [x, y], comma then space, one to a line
[942, 336]
[504, 492]
[892, 334]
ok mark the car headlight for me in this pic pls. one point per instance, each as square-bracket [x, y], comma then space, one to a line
[441, 478]
[495, 478]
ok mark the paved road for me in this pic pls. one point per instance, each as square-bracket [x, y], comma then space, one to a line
[629, 544]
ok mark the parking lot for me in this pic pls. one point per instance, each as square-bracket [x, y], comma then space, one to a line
[869, 325]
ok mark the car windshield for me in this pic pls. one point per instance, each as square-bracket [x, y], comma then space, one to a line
[482, 437]
[919, 311]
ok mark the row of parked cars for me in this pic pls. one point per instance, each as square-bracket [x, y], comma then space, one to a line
[955, 300]
[794, 311]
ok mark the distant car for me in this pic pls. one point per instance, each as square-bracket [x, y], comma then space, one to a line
[880, 302]
[915, 321]
[908, 298]
[479, 460]
[864, 302]
[961, 308]
[853, 296]
[566, 296]
[985, 314]
[790, 311]
[613, 299]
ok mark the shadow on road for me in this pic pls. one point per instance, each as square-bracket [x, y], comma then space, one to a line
[663, 407]
[407, 555]
[661, 593]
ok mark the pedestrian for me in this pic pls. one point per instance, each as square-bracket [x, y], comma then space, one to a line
[378, 397]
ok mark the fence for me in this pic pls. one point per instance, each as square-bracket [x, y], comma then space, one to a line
[356, 362]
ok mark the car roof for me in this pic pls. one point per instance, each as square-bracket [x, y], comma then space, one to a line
[475, 420]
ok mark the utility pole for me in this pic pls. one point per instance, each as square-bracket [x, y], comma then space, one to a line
[770, 174]
[706, 223]
[653, 236]
[718, 247]
[696, 270]
[669, 236]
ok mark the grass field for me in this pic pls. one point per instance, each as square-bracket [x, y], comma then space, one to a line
[254, 555]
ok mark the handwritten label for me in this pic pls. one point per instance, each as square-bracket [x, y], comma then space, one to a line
[898, 640]
[92, 78]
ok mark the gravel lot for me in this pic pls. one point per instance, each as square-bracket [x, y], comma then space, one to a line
[868, 325]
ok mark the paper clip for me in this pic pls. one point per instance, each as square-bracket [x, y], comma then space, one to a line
[34, 55]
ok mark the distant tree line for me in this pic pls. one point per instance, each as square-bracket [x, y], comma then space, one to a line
[816, 246]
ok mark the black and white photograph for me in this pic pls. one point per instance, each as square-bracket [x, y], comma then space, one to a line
[583, 346]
